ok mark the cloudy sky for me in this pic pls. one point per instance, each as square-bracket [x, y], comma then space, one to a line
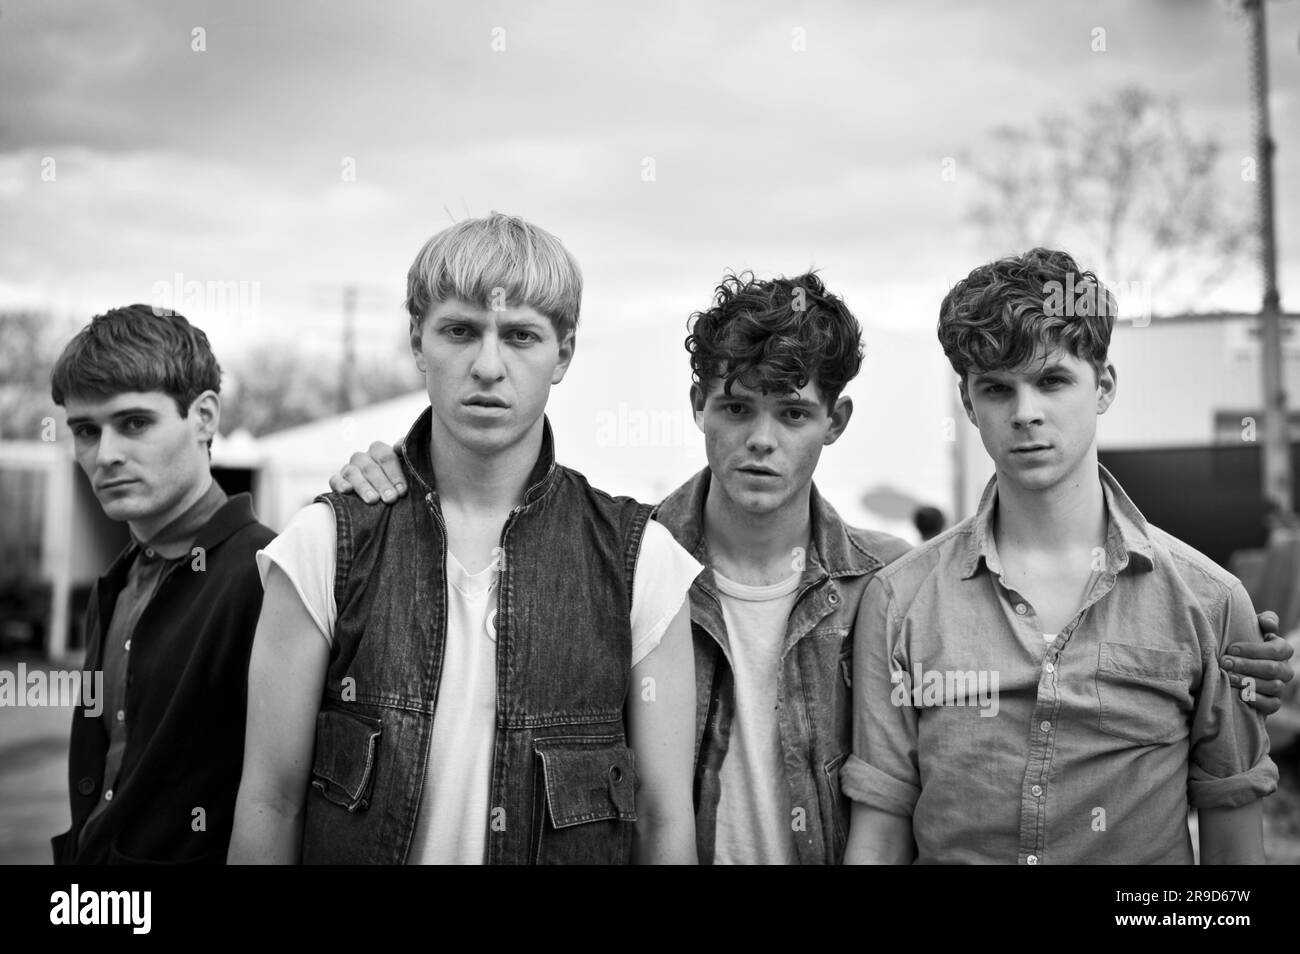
[308, 146]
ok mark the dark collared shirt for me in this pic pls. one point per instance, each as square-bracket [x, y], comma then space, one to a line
[153, 561]
[1090, 747]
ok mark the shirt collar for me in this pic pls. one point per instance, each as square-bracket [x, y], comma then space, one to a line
[682, 512]
[175, 539]
[1128, 538]
[417, 456]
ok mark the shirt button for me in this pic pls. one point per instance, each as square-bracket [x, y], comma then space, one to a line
[149, 553]
[86, 786]
[127, 647]
[1032, 859]
[1021, 609]
[1037, 790]
[1045, 726]
[121, 715]
[1049, 667]
[833, 598]
[108, 796]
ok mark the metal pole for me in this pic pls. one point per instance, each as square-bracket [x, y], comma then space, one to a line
[348, 370]
[1277, 449]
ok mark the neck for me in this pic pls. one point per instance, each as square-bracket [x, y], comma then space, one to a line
[146, 529]
[1066, 516]
[472, 481]
[756, 549]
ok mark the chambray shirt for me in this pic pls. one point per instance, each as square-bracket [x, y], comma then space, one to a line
[1101, 738]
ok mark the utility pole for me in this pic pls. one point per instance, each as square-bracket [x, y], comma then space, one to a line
[348, 368]
[1277, 445]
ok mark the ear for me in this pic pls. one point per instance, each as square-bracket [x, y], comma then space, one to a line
[416, 336]
[568, 344]
[840, 414]
[698, 398]
[1107, 384]
[965, 400]
[205, 412]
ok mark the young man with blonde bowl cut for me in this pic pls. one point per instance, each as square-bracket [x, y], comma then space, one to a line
[464, 677]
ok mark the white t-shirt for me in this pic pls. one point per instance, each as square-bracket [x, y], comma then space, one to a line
[754, 812]
[451, 826]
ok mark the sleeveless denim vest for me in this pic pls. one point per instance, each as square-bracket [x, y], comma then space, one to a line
[563, 777]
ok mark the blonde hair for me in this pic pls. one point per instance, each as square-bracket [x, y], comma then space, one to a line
[495, 262]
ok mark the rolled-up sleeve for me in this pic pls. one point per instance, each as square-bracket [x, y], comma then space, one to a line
[1230, 764]
[882, 771]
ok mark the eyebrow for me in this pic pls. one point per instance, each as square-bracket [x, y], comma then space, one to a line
[116, 415]
[1055, 368]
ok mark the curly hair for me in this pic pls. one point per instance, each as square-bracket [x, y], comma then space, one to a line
[1006, 313]
[775, 336]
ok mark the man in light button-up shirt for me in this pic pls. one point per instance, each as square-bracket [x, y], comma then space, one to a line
[1041, 684]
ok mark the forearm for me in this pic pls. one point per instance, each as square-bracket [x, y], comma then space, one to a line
[878, 838]
[266, 832]
[664, 837]
[1232, 836]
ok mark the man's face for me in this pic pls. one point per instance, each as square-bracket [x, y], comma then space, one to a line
[489, 372]
[142, 458]
[763, 448]
[1039, 423]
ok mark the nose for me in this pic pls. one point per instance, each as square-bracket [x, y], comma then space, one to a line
[762, 435]
[488, 365]
[1027, 411]
[109, 451]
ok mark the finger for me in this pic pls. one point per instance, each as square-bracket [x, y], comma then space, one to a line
[1277, 650]
[360, 485]
[1260, 668]
[1268, 623]
[1265, 687]
[1265, 704]
[378, 479]
[386, 457]
[339, 485]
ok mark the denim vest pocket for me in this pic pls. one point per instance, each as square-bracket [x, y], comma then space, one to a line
[1143, 694]
[343, 770]
[586, 789]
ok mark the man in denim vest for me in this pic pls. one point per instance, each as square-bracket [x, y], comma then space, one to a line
[772, 614]
[497, 668]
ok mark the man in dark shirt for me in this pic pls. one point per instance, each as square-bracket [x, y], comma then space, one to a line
[152, 779]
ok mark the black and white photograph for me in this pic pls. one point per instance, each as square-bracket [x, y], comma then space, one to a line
[718, 433]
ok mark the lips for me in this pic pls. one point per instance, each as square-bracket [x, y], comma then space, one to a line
[116, 484]
[485, 400]
[757, 471]
[1030, 448]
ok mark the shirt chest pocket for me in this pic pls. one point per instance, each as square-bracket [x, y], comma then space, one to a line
[1144, 694]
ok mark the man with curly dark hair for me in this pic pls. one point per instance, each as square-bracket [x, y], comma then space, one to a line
[772, 613]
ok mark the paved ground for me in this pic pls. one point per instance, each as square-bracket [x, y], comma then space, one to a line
[34, 800]
[33, 781]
